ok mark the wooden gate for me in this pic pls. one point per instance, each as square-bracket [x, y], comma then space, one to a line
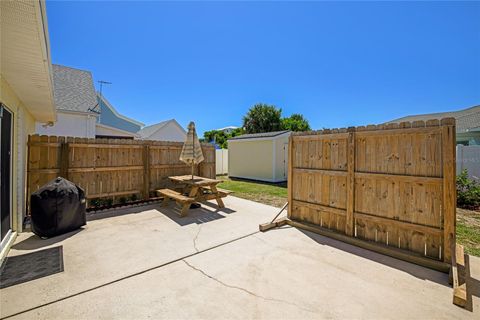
[390, 184]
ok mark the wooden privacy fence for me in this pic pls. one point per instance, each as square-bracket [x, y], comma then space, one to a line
[110, 167]
[391, 184]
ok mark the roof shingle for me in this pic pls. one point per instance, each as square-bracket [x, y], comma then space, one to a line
[73, 89]
[466, 119]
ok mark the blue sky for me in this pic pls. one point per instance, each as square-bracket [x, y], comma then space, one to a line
[338, 63]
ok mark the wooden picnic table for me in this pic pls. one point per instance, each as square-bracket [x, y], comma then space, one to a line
[198, 189]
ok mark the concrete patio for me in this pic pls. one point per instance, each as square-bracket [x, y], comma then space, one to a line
[146, 262]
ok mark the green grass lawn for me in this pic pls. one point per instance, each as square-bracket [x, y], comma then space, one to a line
[268, 193]
[468, 231]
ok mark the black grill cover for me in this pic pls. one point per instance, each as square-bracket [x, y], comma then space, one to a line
[57, 207]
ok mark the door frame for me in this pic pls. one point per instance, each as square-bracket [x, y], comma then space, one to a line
[5, 241]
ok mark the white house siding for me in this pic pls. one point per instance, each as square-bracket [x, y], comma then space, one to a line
[468, 157]
[169, 132]
[70, 124]
[251, 159]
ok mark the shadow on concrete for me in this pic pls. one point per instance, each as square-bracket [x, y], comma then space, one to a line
[35, 242]
[276, 184]
[410, 268]
[197, 216]
[115, 212]
[217, 208]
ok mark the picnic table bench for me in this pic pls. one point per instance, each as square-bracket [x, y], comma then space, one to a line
[198, 189]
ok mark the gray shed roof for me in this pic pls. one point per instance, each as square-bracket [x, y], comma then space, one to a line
[467, 119]
[73, 89]
[259, 135]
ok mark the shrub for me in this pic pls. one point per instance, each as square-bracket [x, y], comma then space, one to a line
[122, 200]
[108, 202]
[468, 191]
[133, 197]
[96, 202]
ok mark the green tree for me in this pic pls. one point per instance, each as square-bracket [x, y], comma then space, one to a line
[219, 137]
[209, 136]
[296, 122]
[237, 132]
[262, 118]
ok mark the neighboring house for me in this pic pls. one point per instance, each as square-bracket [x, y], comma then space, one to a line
[75, 101]
[259, 156]
[169, 130]
[111, 124]
[26, 97]
[467, 123]
[227, 130]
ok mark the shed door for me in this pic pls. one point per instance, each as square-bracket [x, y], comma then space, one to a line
[285, 160]
[5, 171]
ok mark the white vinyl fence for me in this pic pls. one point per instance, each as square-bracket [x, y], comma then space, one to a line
[221, 160]
[468, 157]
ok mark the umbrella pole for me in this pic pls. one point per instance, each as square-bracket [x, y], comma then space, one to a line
[192, 170]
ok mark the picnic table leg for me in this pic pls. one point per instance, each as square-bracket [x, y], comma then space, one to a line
[218, 198]
[192, 194]
[184, 210]
[165, 202]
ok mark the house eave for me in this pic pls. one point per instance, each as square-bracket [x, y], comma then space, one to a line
[25, 59]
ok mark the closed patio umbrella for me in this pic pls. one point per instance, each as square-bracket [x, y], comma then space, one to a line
[192, 150]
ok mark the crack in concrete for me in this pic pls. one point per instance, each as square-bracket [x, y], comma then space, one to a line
[246, 290]
[196, 237]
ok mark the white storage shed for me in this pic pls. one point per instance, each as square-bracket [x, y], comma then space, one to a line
[259, 156]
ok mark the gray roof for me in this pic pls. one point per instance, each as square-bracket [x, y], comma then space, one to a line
[259, 135]
[73, 89]
[467, 119]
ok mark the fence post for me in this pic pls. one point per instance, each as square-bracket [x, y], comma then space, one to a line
[64, 158]
[290, 176]
[350, 221]
[449, 188]
[146, 172]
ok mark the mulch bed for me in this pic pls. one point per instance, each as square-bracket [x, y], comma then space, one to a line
[122, 205]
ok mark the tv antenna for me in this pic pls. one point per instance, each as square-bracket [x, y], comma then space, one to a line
[102, 82]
